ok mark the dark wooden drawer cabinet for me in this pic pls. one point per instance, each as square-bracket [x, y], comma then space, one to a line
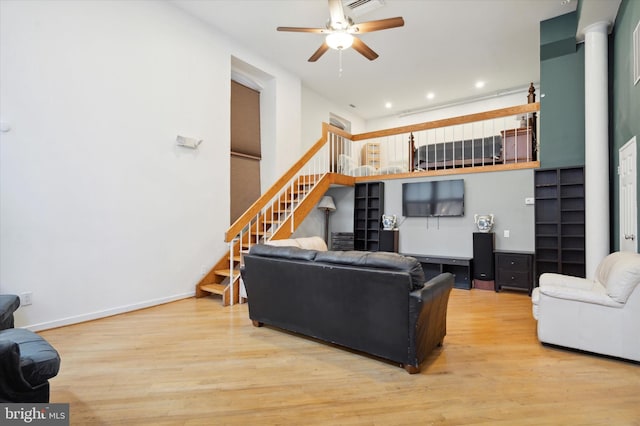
[514, 271]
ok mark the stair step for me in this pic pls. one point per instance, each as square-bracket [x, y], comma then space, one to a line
[226, 272]
[259, 232]
[288, 196]
[308, 180]
[213, 288]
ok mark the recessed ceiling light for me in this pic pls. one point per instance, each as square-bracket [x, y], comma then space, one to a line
[430, 95]
[388, 105]
[479, 84]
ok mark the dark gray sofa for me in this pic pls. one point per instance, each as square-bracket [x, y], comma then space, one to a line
[376, 303]
[470, 152]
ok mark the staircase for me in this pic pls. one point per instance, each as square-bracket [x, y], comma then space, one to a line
[276, 214]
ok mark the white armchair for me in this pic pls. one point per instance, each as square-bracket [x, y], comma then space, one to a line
[600, 315]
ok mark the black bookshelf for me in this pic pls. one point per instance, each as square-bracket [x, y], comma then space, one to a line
[560, 221]
[367, 215]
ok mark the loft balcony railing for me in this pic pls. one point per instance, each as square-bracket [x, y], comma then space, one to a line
[501, 139]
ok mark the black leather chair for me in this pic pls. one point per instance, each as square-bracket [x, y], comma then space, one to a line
[27, 361]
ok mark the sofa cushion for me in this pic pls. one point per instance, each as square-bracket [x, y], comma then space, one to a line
[283, 252]
[619, 273]
[347, 257]
[312, 243]
[381, 260]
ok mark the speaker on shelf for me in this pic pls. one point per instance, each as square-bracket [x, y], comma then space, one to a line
[483, 261]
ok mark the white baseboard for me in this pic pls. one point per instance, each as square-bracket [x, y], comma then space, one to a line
[107, 312]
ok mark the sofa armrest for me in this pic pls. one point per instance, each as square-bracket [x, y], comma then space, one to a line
[435, 287]
[428, 317]
[13, 385]
[596, 294]
[9, 303]
[559, 280]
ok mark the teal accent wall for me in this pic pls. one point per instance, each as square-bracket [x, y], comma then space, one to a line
[625, 101]
[558, 35]
[561, 93]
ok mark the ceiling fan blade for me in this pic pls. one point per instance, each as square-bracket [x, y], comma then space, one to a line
[360, 47]
[318, 53]
[381, 24]
[336, 12]
[303, 29]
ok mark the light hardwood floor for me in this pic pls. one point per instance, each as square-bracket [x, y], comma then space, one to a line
[194, 362]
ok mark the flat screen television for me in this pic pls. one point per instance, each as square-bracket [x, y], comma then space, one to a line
[439, 198]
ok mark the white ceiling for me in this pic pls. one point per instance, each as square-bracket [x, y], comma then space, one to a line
[444, 47]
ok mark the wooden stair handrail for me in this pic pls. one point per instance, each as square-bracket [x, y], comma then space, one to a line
[285, 179]
[463, 119]
[309, 202]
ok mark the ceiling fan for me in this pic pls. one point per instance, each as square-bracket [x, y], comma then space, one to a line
[340, 31]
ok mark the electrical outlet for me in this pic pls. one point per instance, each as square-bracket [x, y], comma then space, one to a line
[507, 233]
[25, 298]
[203, 270]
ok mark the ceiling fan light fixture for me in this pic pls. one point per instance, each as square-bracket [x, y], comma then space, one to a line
[339, 40]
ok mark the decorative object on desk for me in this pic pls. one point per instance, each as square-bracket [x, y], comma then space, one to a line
[326, 204]
[484, 222]
[188, 142]
[389, 222]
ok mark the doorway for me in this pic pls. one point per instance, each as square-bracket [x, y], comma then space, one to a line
[628, 197]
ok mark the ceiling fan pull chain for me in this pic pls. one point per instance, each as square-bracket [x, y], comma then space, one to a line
[339, 63]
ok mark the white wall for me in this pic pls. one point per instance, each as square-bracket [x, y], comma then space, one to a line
[317, 109]
[470, 107]
[100, 212]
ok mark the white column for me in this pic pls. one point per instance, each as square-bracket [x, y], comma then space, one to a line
[596, 146]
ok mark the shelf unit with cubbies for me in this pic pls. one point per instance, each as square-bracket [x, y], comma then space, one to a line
[560, 221]
[367, 214]
[371, 155]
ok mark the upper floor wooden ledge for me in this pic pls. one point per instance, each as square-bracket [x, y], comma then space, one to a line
[451, 171]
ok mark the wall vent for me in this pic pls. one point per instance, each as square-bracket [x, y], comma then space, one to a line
[636, 54]
[360, 7]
